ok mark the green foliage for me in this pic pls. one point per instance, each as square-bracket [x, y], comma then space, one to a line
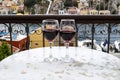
[106, 1]
[100, 6]
[69, 3]
[4, 50]
[29, 3]
[118, 5]
[38, 1]
[90, 3]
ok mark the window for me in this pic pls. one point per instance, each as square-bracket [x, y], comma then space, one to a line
[3, 12]
[36, 44]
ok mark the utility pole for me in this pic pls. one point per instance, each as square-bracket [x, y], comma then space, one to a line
[104, 4]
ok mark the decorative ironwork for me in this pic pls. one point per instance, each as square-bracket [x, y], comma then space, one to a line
[84, 31]
[92, 27]
[101, 29]
[115, 29]
[18, 29]
[3, 29]
[35, 28]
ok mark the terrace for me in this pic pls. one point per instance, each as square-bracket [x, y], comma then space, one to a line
[74, 63]
[104, 26]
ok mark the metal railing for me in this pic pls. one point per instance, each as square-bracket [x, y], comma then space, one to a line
[87, 25]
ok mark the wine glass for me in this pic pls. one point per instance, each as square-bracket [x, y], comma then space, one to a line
[50, 28]
[67, 32]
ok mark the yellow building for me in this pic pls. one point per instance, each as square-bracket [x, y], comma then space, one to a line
[36, 39]
[14, 8]
[10, 6]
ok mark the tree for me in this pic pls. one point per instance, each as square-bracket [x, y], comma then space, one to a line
[39, 1]
[4, 50]
[29, 4]
[90, 2]
[100, 6]
[69, 3]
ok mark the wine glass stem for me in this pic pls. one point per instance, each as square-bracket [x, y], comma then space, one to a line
[50, 55]
[67, 49]
[67, 45]
[50, 45]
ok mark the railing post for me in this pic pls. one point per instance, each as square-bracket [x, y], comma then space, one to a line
[76, 36]
[93, 31]
[10, 30]
[43, 39]
[59, 40]
[28, 39]
[109, 31]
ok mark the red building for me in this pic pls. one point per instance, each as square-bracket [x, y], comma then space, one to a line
[18, 41]
[15, 49]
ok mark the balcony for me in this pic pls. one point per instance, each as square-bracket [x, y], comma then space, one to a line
[94, 27]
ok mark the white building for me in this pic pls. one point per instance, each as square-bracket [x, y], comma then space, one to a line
[119, 10]
[4, 11]
[93, 12]
[104, 12]
[60, 12]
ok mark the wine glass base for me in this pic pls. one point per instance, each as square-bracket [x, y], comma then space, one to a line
[67, 59]
[50, 59]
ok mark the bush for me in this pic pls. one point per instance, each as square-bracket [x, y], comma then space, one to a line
[4, 50]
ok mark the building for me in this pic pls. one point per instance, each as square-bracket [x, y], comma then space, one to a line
[9, 7]
[119, 10]
[84, 11]
[83, 8]
[4, 11]
[36, 39]
[93, 12]
[104, 12]
[72, 10]
[61, 12]
[15, 49]
[18, 41]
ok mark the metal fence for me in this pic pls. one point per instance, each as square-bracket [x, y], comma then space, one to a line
[99, 27]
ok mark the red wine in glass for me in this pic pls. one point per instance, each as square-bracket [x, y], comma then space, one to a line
[50, 34]
[67, 35]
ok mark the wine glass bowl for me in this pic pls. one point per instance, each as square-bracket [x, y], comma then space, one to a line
[67, 29]
[67, 33]
[50, 29]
